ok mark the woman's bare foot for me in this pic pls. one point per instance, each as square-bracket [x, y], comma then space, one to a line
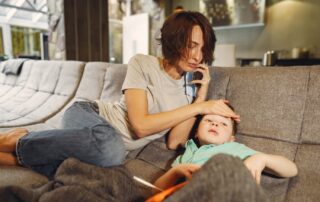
[8, 159]
[9, 139]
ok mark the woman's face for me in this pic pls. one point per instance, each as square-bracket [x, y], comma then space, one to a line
[193, 56]
[215, 129]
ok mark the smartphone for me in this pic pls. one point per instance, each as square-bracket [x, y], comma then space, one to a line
[197, 76]
[191, 89]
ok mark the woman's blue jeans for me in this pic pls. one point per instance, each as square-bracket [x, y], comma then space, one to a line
[85, 136]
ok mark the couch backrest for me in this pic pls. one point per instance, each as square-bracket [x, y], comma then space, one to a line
[271, 101]
[311, 119]
[42, 89]
[102, 81]
[280, 111]
[12, 84]
[6, 79]
[280, 114]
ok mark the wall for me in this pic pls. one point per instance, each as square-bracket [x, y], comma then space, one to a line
[289, 24]
[187, 4]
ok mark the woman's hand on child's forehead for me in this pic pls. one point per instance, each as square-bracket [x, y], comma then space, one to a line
[217, 118]
[218, 107]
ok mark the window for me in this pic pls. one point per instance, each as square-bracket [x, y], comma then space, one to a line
[26, 42]
[1, 46]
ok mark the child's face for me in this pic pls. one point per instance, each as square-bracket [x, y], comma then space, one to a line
[215, 129]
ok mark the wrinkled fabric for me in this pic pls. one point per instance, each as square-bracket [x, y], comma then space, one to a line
[78, 181]
[222, 178]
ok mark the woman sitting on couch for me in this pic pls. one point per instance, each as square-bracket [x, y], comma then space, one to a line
[157, 99]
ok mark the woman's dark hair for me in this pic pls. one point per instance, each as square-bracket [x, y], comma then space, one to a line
[176, 35]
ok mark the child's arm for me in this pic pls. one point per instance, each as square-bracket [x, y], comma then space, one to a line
[174, 174]
[275, 164]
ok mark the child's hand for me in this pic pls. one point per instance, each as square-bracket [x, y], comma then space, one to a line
[174, 174]
[185, 170]
[256, 163]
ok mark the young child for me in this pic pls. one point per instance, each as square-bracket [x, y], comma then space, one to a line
[216, 135]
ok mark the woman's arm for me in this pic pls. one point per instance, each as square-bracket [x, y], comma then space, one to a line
[174, 174]
[180, 133]
[274, 164]
[145, 124]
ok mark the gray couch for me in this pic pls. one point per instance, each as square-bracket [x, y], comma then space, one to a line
[279, 108]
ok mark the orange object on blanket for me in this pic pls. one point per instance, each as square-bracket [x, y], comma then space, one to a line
[164, 194]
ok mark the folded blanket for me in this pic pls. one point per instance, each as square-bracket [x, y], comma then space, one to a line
[13, 66]
[77, 181]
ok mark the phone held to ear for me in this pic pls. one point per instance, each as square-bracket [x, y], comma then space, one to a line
[191, 76]
[197, 75]
[190, 88]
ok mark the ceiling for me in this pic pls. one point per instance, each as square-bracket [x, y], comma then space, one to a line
[27, 13]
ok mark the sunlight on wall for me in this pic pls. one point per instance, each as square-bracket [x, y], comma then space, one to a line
[291, 24]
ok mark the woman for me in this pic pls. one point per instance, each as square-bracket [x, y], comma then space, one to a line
[157, 99]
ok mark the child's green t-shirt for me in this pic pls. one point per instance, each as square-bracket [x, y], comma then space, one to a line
[199, 156]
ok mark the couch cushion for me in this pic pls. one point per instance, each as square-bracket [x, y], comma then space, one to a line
[90, 88]
[13, 66]
[157, 154]
[6, 79]
[219, 82]
[311, 126]
[48, 88]
[149, 172]
[113, 81]
[98, 82]
[4, 89]
[92, 81]
[305, 187]
[145, 171]
[274, 186]
[8, 91]
[269, 145]
[6, 83]
[270, 100]
[101, 81]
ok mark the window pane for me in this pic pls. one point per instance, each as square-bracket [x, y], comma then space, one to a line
[1, 44]
[26, 42]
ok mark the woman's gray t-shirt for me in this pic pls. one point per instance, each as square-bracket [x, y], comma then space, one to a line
[163, 93]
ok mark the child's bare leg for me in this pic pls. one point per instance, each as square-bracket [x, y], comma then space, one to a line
[9, 139]
[8, 159]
